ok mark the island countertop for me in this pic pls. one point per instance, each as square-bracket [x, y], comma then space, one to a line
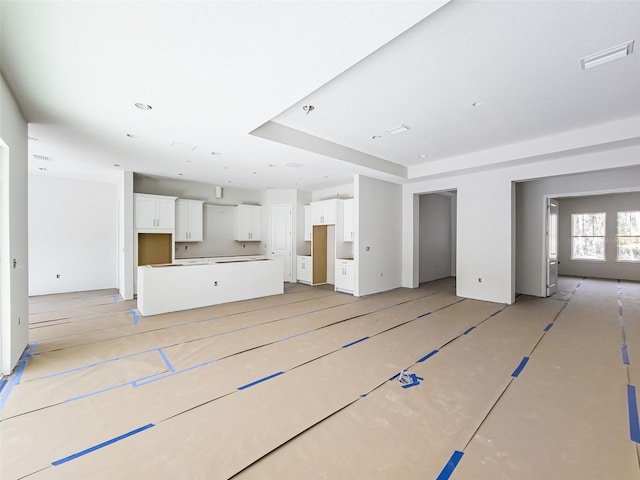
[180, 286]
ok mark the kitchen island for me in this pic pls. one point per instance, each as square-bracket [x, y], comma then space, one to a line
[181, 286]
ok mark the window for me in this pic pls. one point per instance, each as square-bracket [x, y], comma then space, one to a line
[628, 237]
[587, 236]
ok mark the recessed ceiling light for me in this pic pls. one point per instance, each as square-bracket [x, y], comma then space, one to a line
[216, 153]
[308, 108]
[254, 173]
[397, 130]
[607, 55]
[180, 174]
[229, 181]
[42, 168]
[293, 165]
[376, 137]
[273, 165]
[422, 155]
[116, 164]
[143, 106]
[326, 176]
[476, 104]
[33, 139]
[131, 135]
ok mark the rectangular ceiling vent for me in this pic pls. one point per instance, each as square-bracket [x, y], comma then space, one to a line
[41, 158]
[398, 130]
[292, 165]
[607, 55]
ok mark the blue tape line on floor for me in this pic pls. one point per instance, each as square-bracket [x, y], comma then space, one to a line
[634, 424]
[548, 327]
[166, 360]
[625, 355]
[451, 465]
[17, 377]
[428, 356]
[423, 315]
[260, 381]
[517, 371]
[468, 330]
[353, 343]
[100, 445]
[115, 299]
[135, 316]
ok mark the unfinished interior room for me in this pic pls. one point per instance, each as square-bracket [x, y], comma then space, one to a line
[373, 239]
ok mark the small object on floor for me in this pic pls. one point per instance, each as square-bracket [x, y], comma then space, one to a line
[409, 379]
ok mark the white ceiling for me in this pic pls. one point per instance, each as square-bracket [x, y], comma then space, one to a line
[214, 72]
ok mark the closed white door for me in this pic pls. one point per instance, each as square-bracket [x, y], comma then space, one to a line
[281, 237]
[552, 246]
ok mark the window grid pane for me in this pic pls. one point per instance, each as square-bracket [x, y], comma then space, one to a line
[628, 240]
[588, 236]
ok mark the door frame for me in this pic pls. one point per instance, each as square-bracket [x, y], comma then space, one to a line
[287, 272]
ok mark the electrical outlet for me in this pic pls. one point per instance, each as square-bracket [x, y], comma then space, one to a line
[57, 275]
[479, 280]
[215, 284]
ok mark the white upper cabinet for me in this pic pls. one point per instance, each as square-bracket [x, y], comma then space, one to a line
[324, 212]
[154, 212]
[248, 223]
[188, 220]
[308, 224]
[347, 221]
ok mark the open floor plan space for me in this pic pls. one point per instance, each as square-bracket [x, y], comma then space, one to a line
[410, 383]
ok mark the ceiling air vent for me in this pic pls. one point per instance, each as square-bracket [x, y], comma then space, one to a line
[607, 55]
[41, 158]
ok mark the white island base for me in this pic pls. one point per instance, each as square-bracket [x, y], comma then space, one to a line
[169, 288]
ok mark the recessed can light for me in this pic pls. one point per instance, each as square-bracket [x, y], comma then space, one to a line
[180, 174]
[476, 104]
[376, 137]
[422, 155]
[116, 164]
[143, 106]
[216, 153]
[398, 130]
[131, 135]
[43, 168]
[33, 139]
[308, 109]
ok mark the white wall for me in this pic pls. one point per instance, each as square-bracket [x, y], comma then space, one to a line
[14, 308]
[378, 242]
[73, 232]
[125, 236]
[486, 220]
[610, 267]
[435, 237]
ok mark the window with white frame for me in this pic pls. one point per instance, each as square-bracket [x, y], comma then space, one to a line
[628, 236]
[588, 236]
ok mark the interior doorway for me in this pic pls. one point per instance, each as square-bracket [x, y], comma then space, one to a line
[282, 237]
[437, 236]
[551, 233]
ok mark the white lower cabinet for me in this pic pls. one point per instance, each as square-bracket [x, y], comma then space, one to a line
[304, 269]
[344, 276]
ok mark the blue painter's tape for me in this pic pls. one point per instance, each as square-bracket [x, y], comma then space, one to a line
[451, 465]
[548, 327]
[135, 315]
[353, 343]
[517, 371]
[495, 313]
[394, 377]
[362, 395]
[428, 356]
[260, 381]
[468, 330]
[424, 315]
[625, 355]
[294, 336]
[17, 377]
[166, 360]
[100, 445]
[3, 382]
[115, 299]
[634, 424]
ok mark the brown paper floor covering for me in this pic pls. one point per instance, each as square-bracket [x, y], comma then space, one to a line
[304, 385]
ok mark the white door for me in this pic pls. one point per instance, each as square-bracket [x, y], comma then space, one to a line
[281, 237]
[552, 246]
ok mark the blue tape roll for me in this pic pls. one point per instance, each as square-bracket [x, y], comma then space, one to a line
[451, 465]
